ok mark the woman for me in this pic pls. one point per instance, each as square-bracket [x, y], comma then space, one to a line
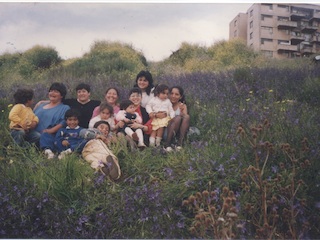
[111, 97]
[51, 117]
[144, 81]
[179, 125]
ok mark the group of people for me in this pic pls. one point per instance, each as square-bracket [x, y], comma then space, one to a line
[150, 116]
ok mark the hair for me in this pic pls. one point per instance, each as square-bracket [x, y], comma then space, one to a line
[160, 89]
[96, 125]
[148, 77]
[23, 95]
[72, 112]
[60, 87]
[181, 91]
[125, 103]
[104, 106]
[135, 90]
[83, 86]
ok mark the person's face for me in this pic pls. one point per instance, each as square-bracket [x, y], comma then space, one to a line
[111, 97]
[131, 109]
[83, 95]
[135, 98]
[164, 95]
[72, 122]
[175, 95]
[55, 96]
[105, 114]
[142, 83]
[104, 129]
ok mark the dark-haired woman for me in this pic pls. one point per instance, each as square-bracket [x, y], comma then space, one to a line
[144, 81]
[179, 125]
[51, 117]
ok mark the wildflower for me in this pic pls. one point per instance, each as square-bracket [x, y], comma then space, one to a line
[248, 99]
[10, 105]
[270, 91]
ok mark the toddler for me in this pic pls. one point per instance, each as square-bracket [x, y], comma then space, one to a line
[106, 114]
[128, 115]
[159, 104]
[22, 119]
[68, 139]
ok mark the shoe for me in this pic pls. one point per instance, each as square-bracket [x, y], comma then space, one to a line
[49, 154]
[64, 153]
[135, 136]
[178, 148]
[168, 149]
[141, 146]
[111, 168]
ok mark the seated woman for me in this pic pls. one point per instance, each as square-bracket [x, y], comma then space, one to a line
[51, 117]
[179, 125]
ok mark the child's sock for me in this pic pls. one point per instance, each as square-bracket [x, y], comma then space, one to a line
[152, 141]
[140, 136]
[158, 141]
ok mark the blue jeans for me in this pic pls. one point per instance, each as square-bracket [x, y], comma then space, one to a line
[23, 138]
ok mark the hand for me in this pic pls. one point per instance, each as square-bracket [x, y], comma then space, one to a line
[161, 115]
[65, 143]
[120, 124]
[135, 125]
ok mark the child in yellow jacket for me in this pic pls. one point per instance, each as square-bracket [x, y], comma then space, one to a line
[22, 119]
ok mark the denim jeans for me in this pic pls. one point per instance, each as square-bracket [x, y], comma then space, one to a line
[23, 138]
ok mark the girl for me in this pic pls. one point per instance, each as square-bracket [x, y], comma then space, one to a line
[106, 114]
[159, 104]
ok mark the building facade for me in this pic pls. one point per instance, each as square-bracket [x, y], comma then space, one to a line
[279, 30]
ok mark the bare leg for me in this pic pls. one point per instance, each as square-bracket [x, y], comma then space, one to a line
[172, 129]
[185, 123]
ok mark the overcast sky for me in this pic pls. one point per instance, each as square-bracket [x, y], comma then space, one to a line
[155, 29]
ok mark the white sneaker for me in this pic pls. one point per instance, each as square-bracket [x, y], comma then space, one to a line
[64, 153]
[49, 153]
[168, 149]
[178, 148]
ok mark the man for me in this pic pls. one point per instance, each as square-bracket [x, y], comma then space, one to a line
[83, 103]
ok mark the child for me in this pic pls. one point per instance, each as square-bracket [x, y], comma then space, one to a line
[128, 115]
[22, 119]
[106, 114]
[68, 139]
[96, 151]
[160, 103]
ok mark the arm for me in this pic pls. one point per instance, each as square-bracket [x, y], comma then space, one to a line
[39, 103]
[53, 129]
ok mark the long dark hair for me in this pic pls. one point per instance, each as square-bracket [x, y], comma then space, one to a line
[148, 77]
[181, 91]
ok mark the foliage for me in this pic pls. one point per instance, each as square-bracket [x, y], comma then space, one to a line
[259, 179]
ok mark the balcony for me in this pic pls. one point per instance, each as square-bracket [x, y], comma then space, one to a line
[315, 39]
[297, 16]
[286, 24]
[308, 29]
[316, 16]
[295, 39]
[306, 50]
[287, 48]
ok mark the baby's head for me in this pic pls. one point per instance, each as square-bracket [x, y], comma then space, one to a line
[128, 106]
[103, 127]
[72, 118]
[106, 111]
[162, 91]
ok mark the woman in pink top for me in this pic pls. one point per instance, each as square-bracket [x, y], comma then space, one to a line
[111, 97]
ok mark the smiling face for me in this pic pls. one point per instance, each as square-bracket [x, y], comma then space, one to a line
[142, 83]
[111, 96]
[72, 122]
[55, 96]
[175, 95]
[164, 95]
[83, 95]
[104, 129]
[105, 114]
[135, 98]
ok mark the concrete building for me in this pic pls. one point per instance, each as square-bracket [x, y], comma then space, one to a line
[279, 30]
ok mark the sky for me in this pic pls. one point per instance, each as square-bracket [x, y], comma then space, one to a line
[156, 29]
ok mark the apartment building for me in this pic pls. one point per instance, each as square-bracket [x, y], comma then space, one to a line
[279, 30]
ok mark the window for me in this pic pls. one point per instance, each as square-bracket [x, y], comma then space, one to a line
[270, 6]
[251, 24]
[267, 53]
[251, 13]
[251, 35]
[265, 17]
[235, 23]
[269, 29]
[265, 40]
[284, 42]
[286, 7]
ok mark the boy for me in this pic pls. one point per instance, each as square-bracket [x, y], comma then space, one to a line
[68, 140]
[96, 151]
[22, 119]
